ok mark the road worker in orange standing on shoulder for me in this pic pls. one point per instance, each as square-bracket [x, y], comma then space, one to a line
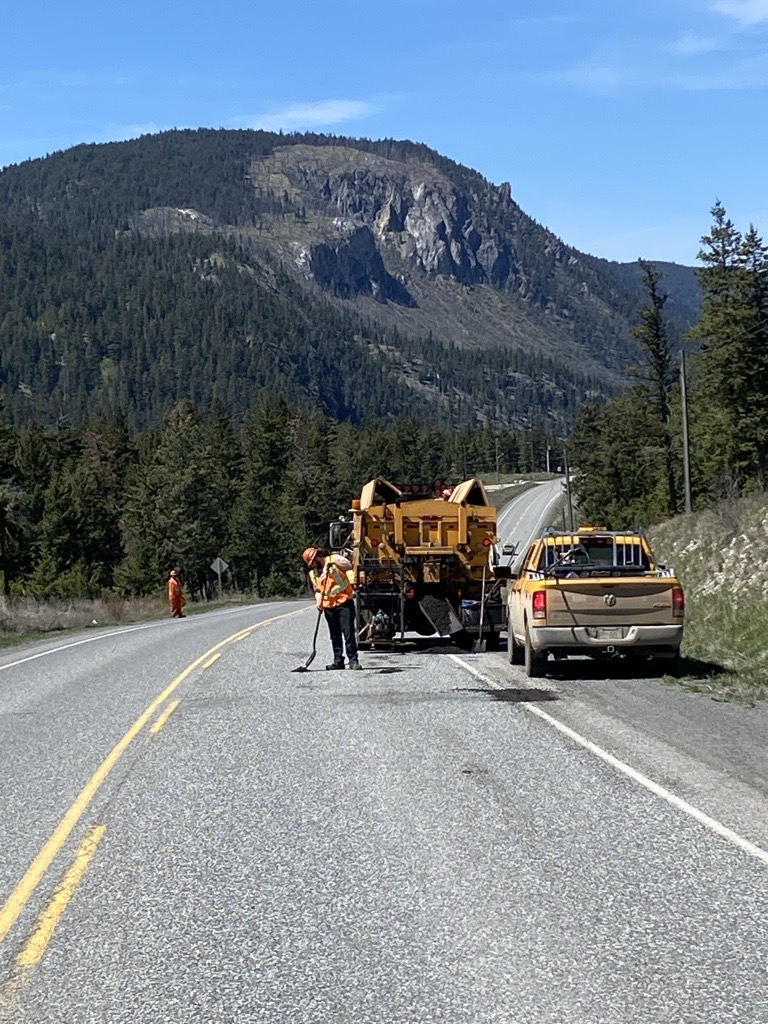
[334, 593]
[176, 598]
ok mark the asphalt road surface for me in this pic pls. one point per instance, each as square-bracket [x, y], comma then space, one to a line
[528, 514]
[193, 832]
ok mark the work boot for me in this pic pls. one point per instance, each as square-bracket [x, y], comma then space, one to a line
[354, 663]
[335, 665]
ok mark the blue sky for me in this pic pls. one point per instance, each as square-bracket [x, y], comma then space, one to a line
[618, 123]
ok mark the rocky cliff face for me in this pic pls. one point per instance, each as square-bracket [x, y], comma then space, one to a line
[352, 265]
[359, 207]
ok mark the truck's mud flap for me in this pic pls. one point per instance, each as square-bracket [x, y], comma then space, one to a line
[440, 614]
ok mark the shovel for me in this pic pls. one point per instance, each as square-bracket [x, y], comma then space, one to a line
[311, 658]
[478, 647]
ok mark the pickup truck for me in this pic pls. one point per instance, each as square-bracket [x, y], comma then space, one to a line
[593, 592]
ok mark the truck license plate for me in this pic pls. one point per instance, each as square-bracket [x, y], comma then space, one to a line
[610, 633]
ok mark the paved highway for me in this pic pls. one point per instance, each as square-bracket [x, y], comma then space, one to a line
[192, 832]
[529, 513]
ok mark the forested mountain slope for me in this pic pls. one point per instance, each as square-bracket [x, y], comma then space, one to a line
[372, 278]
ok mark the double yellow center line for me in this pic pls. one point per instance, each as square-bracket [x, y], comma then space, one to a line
[18, 899]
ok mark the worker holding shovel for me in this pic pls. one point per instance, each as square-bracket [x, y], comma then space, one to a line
[334, 595]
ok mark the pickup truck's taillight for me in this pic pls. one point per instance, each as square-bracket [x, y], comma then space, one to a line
[678, 601]
[539, 606]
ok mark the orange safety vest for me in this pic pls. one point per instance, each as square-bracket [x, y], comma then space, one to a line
[332, 583]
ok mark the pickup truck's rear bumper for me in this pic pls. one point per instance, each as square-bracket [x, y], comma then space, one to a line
[550, 638]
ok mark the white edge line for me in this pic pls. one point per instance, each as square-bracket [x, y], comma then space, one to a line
[682, 805]
[76, 643]
[87, 640]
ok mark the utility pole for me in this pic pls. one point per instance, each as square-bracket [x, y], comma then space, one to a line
[568, 496]
[686, 451]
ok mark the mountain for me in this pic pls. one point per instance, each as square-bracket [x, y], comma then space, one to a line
[375, 278]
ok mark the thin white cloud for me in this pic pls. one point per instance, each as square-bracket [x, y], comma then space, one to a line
[748, 74]
[298, 116]
[745, 12]
[692, 62]
[598, 75]
[690, 45]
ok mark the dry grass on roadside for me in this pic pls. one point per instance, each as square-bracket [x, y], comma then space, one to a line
[22, 619]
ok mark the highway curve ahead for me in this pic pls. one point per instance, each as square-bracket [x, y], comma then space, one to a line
[192, 832]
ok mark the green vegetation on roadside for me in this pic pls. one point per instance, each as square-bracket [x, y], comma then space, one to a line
[721, 557]
[671, 444]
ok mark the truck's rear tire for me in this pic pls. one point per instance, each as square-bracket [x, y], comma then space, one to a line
[535, 661]
[515, 652]
[670, 665]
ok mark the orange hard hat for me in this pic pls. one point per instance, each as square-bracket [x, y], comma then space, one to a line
[309, 555]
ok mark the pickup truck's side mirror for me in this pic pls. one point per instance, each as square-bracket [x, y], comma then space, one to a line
[508, 549]
[502, 572]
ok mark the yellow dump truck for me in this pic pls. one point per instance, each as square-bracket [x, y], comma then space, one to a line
[596, 592]
[423, 562]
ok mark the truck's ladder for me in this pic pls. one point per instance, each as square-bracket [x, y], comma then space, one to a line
[371, 598]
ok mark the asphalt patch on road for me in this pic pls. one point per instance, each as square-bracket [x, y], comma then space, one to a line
[387, 670]
[514, 695]
[398, 698]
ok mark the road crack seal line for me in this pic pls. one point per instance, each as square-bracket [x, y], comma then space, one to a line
[163, 717]
[49, 918]
[681, 805]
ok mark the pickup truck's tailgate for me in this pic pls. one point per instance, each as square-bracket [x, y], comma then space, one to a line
[637, 602]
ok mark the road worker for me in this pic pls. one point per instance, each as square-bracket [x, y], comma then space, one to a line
[176, 598]
[331, 577]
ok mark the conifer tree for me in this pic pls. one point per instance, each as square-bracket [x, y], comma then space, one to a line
[33, 465]
[173, 514]
[729, 421]
[617, 451]
[310, 487]
[352, 460]
[310, 498]
[263, 554]
[14, 521]
[754, 255]
[227, 455]
[659, 372]
[78, 536]
[15, 528]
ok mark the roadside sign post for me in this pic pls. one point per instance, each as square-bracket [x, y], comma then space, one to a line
[219, 566]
